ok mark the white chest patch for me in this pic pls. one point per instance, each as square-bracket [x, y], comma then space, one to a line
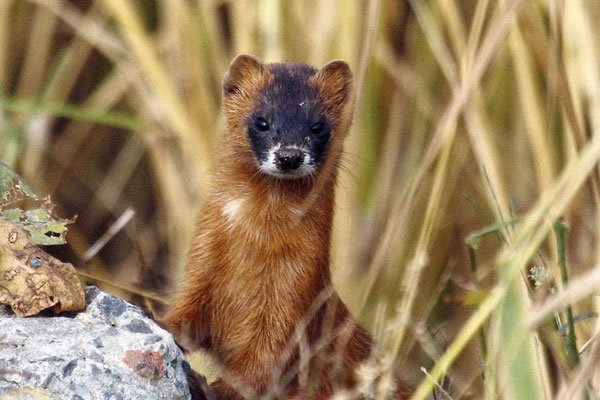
[232, 209]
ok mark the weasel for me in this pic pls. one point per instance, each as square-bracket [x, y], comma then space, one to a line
[257, 290]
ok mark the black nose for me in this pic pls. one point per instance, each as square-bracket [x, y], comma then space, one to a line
[288, 159]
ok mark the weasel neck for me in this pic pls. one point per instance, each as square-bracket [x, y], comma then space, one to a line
[305, 196]
[275, 220]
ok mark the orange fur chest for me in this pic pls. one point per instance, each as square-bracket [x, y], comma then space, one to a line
[262, 255]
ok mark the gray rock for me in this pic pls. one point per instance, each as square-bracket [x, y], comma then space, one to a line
[109, 351]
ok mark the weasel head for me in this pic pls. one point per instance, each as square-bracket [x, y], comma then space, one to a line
[287, 115]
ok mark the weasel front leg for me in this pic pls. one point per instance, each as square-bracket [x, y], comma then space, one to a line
[187, 317]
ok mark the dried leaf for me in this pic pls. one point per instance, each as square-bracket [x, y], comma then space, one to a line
[31, 280]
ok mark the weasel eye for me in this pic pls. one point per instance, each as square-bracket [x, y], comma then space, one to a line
[317, 128]
[261, 124]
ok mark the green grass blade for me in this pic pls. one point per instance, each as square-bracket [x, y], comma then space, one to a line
[73, 111]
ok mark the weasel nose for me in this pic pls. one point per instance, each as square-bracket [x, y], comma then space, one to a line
[288, 159]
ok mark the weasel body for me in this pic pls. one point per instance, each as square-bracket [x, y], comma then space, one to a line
[257, 288]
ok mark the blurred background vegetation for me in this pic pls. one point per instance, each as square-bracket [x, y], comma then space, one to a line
[477, 128]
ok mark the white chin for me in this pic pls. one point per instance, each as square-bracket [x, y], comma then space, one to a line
[295, 174]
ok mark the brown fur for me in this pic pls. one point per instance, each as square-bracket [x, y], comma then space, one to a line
[257, 268]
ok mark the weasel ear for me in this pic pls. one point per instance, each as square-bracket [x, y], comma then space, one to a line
[243, 68]
[335, 80]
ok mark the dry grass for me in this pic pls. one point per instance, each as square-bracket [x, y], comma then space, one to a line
[469, 114]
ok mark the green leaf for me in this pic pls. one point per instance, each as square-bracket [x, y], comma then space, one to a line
[73, 111]
[10, 180]
[474, 239]
[42, 226]
[13, 215]
[38, 221]
[476, 297]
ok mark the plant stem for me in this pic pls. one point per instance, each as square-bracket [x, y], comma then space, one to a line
[481, 333]
[560, 230]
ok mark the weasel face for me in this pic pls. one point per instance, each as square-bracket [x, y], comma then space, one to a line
[288, 152]
[288, 142]
[288, 130]
[287, 112]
